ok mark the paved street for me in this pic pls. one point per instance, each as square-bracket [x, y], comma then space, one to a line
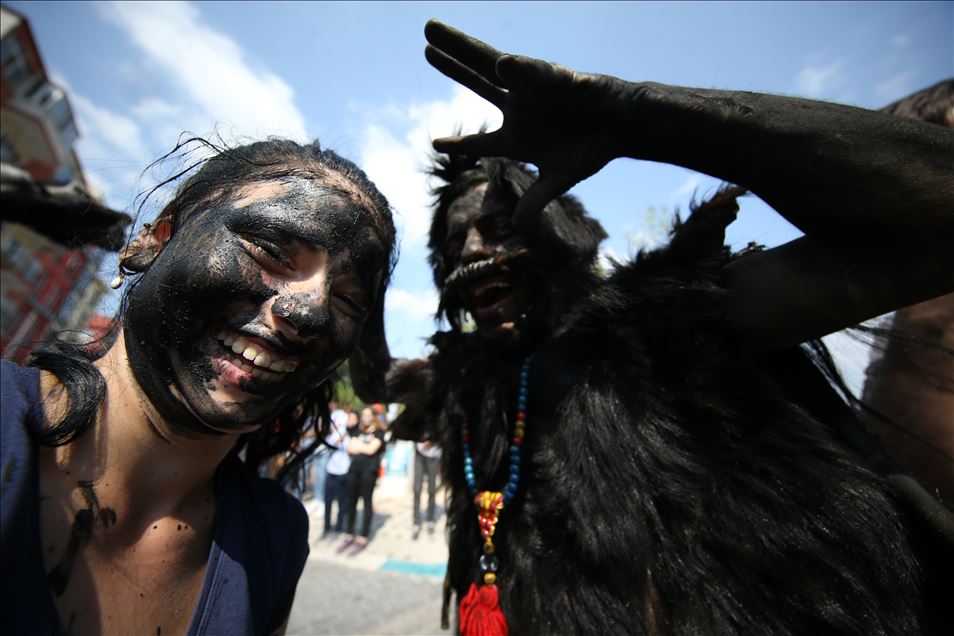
[392, 587]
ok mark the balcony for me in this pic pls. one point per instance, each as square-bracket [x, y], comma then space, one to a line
[48, 102]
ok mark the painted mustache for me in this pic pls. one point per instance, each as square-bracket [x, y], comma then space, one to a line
[499, 263]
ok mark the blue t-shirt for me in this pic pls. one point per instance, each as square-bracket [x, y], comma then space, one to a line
[259, 542]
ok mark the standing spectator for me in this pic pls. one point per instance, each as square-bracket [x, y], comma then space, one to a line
[427, 459]
[317, 468]
[366, 450]
[336, 471]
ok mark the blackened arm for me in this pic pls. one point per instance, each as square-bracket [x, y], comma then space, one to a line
[848, 177]
[838, 173]
[808, 288]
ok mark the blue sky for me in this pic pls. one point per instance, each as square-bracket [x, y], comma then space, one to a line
[354, 75]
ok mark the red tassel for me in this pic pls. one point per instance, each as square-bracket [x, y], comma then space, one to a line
[480, 613]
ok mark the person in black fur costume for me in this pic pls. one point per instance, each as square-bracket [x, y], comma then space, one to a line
[686, 467]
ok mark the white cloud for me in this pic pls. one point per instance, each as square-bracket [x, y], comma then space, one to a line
[394, 151]
[112, 149]
[210, 69]
[119, 136]
[818, 81]
[397, 169]
[155, 108]
[396, 161]
[688, 188]
[415, 306]
[644, 239]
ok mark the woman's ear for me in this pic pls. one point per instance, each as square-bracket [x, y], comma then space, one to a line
[143, 249]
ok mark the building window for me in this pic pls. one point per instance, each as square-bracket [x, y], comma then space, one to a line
[18, 255]
[32, 270]
[62, 116]
[15, 66]
[8, 313]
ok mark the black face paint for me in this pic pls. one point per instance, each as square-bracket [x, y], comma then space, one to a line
[220, 273]
[305, 311]
[80, 534]
[483, 257]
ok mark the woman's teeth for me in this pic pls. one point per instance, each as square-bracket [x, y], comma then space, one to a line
[264, 365]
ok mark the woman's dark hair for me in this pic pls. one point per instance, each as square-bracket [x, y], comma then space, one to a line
[207, 181]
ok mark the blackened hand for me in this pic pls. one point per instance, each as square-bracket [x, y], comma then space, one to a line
[568, 124]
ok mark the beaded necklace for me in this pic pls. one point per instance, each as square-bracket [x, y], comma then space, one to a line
[480, 608]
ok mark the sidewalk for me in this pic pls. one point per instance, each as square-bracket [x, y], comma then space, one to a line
[394, 586]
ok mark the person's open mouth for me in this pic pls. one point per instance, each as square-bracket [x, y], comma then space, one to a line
[247, 362]
[488, 296]
[492, 291]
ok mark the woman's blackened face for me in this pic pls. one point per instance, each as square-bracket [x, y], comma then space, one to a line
[252, 303]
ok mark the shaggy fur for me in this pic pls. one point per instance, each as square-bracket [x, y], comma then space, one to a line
[669, 483]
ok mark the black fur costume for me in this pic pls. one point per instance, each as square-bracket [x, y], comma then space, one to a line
[672, 481]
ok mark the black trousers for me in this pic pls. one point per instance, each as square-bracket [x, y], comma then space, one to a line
[425, 466]
[360, 485]
[336, 492]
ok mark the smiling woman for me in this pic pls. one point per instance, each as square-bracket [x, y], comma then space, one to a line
[130, 499]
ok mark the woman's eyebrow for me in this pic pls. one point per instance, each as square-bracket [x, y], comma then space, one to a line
[282, 229]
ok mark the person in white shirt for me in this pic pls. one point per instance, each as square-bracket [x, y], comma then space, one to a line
[336, 470]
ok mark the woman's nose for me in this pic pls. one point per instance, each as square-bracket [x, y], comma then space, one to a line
[307, 313]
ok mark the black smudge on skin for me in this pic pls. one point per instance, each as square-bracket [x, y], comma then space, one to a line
[205, 276]
[80, 534]
[304, 310]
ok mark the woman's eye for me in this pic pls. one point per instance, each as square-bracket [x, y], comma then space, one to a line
[268, 250]
[352, 305]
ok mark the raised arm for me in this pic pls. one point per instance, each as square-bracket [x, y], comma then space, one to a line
[873, 192]
[833, 170]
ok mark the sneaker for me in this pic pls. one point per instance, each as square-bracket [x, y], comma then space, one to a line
[357, 548]
[415, 533]
[344, 545]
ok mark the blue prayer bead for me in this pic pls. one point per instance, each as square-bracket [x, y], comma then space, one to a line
[488, 563]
